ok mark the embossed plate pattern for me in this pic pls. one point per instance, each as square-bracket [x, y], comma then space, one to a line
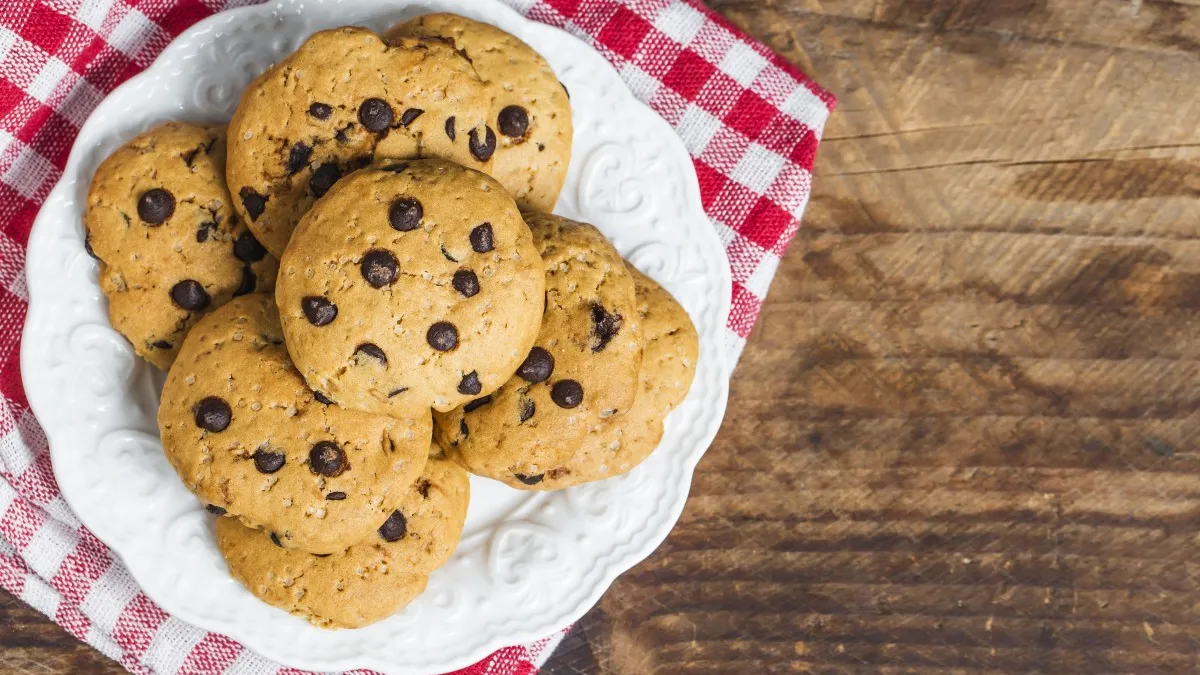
[529, 563]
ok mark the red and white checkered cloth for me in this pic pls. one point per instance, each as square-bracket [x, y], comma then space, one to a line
[750, 119]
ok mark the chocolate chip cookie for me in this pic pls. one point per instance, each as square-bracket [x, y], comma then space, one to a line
[530, 110]
[618, 444]
[409, 285]
[248, 437]
[342, 99]
[582, 369]
[161, 223]
[372, 579]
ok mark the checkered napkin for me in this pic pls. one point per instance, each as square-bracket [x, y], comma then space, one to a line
[750, 120]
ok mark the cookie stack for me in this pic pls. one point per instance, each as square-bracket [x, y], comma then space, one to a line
[360, 297]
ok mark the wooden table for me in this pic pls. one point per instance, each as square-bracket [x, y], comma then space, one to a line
[963, 438]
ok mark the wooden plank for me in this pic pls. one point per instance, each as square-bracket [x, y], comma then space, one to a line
[31, 645]
[964, 436]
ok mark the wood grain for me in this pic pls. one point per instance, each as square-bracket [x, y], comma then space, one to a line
[30, 644]
[963, 438]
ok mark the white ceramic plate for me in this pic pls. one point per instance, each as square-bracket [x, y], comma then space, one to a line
[529, 563]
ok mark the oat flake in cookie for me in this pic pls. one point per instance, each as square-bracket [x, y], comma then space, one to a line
[616, 445]
[247, 436]
[530, 110]
[341, 100]
[372, 579]
[410, 285]
[582, 369]
[161, 223]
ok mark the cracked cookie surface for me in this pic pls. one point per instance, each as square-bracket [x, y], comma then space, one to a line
[582, 368]
[341, 100]
[411, 286]
[530, 109]
[249, 438]
[616, 445]
[373, 578]
[161, 223]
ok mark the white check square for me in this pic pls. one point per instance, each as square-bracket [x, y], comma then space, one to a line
[758, 168]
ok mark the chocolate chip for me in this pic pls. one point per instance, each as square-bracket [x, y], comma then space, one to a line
[249, 281]
[268, 462]
[462, 428]
[477, 403]
[447, 256]
[335, 496]
[253, 202]
[513, 121]
[529, 480]
[537, 367]
[423, 487]
[190, 295]
[155, 206]
[565, 90]
[343, 134]
[327, 459]
[442, 336]
[320, 111]
[298, 156]
[247, 249]
[397, 391]
[204, 230]
[379, 267]
[465, 282]
[213, 414]
[215, 510]
[371, 350]
[396, 167]
[275, 540]
[405, 214]
[190, 156]
[482, 239]
[469, 384]
[394, 528]
[160, 344]
[450, 127]
[323, 178]
[482, 150]
[605, 326]
[566, 393]
[322, 398]
[410, 115]
[318, 310]
[375, 114]
[528, 407]
[87, 245]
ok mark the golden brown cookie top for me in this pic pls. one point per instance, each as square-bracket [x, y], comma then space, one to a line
[247, 436]
[161, 223]
[372, 579]
[617, 445]
[530, 108]
[341, 100]
[409, 286]
[582, 369]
